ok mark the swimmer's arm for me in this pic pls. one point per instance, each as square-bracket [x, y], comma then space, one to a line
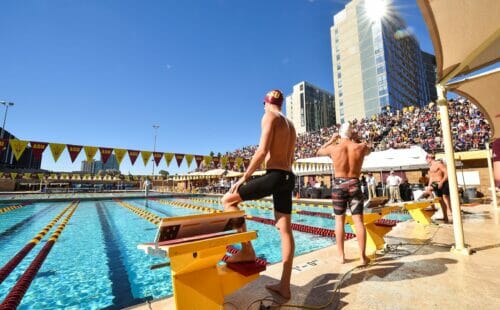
[368, 148]
[442, 167]
[323, 150]
[292, 146]
[264, 146]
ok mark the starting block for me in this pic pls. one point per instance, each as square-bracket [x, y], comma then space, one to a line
[419, 210]
[375, 232]
[195, 245]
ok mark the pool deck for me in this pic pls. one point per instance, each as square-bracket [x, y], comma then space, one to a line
[421, 273]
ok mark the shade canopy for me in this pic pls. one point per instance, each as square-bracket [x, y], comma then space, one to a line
[465, 34]
[483, 91]
[412, 158]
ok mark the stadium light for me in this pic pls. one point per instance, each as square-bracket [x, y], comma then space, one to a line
[375, 9]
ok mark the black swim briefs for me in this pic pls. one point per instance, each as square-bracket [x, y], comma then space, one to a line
[346, 192]
[444, 190]
[279, 183]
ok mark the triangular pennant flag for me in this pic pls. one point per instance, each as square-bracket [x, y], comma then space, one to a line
[178, 159]
[105, 153]
[231, 162]
[168, 158]
[216, 161]
[207, 160]
[40, 176]
[189, 159]
[246, 162]
[74, 150]
[133, 154]
[56, 149]
[37, 149]
[146, 155]
[90, 152]
[239, 162]
[223, 162]
[198, 159]
[3, 143]
[27, 175]
[127, 178]
[13, 175]
[157, 156]
[18, 147]
[120, 153]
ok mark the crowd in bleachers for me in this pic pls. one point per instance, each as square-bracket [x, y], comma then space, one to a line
[401, 129]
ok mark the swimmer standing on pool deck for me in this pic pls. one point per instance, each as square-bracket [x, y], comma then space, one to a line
[276, 148]
[347, 157]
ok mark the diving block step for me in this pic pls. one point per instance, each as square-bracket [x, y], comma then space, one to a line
[195, 244]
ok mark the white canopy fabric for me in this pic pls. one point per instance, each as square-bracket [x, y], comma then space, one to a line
[412, 158]
[479, 90]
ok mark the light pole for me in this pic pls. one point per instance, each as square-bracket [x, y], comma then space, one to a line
[7, 105]
[155, 127]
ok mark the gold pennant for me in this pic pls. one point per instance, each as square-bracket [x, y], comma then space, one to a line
[146, 155]
[18, 147]
[56, 149]
[208, 160]
[120, 154]
[189, 159]
[168, 158]
[90, 152]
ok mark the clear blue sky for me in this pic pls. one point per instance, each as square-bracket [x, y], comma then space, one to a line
[102, 72]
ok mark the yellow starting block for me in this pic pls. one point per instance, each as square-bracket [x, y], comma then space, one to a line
[420, 212]
[374, 232]
[195, 245]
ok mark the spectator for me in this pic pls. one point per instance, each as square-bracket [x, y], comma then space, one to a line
[393, 181]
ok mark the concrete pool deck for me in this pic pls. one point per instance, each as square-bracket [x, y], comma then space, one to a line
[419, 272]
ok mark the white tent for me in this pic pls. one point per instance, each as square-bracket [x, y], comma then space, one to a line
[412, 158]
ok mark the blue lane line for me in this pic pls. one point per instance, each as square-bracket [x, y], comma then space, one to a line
[120, 283]
[146, 205]
[17, 227]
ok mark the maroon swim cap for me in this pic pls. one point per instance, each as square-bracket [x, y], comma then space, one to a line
[274, 97]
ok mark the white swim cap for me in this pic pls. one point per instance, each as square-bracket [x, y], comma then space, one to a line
[345, 131]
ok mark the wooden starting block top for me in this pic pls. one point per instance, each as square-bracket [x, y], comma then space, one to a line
[191, 229]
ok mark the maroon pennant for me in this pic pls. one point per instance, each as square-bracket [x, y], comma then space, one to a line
[178, 159]
[216, 161]
[246, 162]
[157, 156]
[74, 150]
[133, 154]
[105, 153]
[231, 162]
[37, 149]
[198, 159]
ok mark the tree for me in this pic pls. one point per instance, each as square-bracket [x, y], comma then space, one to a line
[164, 173]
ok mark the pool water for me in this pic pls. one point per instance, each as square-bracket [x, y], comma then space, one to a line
[95, 262]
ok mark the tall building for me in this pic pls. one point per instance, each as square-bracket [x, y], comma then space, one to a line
[377, 62]
[310, 108]
[95, 165]
[430, 68]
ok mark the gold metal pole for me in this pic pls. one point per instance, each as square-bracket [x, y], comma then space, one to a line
[492, 178]
[459, 246]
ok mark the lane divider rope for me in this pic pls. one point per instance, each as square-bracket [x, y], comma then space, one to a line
[22, 285]
[16, 259]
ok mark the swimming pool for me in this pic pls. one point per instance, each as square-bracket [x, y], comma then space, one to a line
[95, 263]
